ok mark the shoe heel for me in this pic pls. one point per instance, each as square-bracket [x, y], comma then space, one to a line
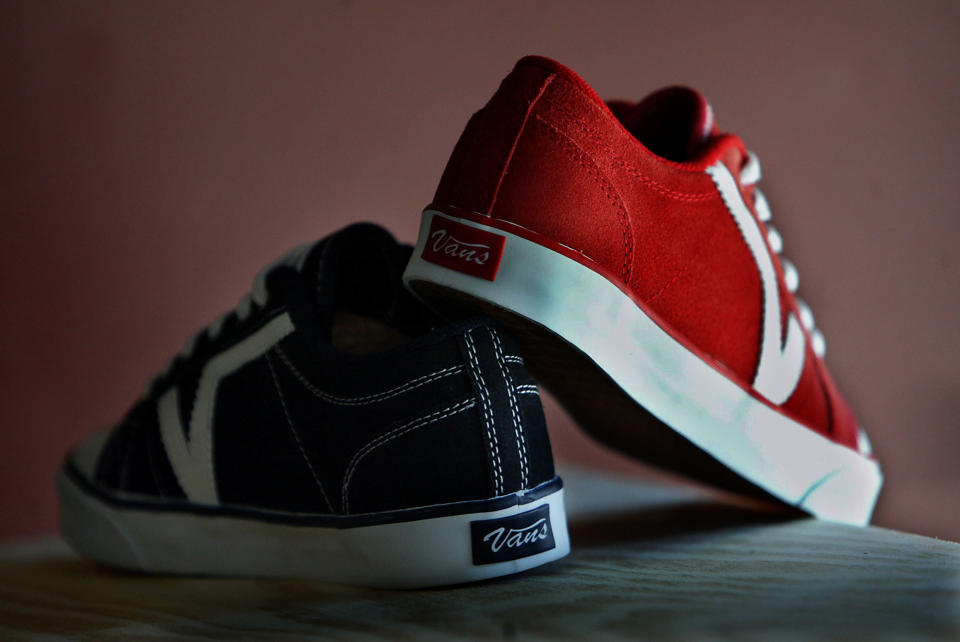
[464, 548]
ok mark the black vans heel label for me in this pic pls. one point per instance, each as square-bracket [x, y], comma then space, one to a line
[513, 537]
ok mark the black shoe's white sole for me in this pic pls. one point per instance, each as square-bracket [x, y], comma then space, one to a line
[538, 291]
[430, 546]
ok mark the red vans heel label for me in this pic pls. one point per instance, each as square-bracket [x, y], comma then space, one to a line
[463, 248]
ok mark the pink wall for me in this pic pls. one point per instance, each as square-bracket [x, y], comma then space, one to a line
[155, 156]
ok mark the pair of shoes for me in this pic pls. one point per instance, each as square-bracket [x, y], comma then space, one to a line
[335, 427]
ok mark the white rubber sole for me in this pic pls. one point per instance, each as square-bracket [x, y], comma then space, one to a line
[405, 554]
[774, 452]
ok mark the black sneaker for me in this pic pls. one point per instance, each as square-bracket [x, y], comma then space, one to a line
[327, 429]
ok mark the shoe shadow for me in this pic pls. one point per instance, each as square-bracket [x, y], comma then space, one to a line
[645, 523]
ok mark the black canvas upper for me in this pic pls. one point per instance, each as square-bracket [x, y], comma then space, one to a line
[447, 414]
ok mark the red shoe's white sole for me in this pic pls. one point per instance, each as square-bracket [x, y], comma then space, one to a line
[587, 310]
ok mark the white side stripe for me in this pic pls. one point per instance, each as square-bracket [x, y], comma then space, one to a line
[781, 363]
[192, 457]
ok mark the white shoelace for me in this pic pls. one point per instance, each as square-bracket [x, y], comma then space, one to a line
[750, 175]
[257, 296]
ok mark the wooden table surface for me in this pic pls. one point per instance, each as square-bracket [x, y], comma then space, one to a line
[648, 560]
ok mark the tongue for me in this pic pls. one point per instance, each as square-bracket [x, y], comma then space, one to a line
[359, 269]
[673, 122]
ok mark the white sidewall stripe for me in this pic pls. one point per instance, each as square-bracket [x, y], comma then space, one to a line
[781, 362]
[192, 457]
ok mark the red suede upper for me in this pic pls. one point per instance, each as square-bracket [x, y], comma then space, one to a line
[548, 155]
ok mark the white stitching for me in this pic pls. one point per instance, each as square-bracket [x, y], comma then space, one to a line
[393, 434]
[485, 404]
[513, 358]
[527, 389]
[303, 452]
[367, 399]
[514, 411]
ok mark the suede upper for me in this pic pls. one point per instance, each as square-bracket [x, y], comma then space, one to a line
[547, 155]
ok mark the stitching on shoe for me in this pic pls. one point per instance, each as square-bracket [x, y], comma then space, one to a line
[393, 434]
[365, 400]
[593, 134]
[513, 358]
[583, 159]
[516, 140]
[514, 411]
[527, 389]
[286, 413]
[485, 405]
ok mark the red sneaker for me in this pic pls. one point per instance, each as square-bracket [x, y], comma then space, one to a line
[629, 248]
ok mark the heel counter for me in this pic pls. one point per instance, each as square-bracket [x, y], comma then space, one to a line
[481, 156]
[513, 424]
[529, 158]
[482, 435]
[437, 458]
